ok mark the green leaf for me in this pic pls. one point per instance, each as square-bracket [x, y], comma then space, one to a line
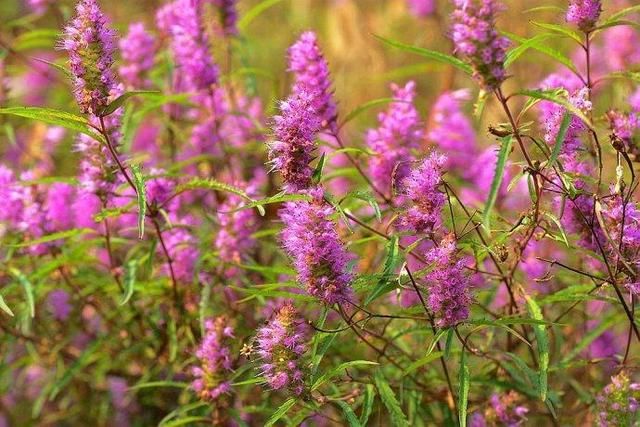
[52, 237]
[367, 404]
[141, 195]
[368, 197]
[254, 12]
[431, 54]
[398, 418]
[159, 384]
[557, 97]
[4, 307]
[616, 16]
[448, 342]
[348, 413]
[364, 107]
[505, 149]
[463, 393]
[77, 364]
[129, 280]
[250, 381]
[28, 289]
[386, 284]
[605, 325]
[542, 340]
[536, 43]
[119, 101]
[525, 45]
[317, 172]
[337, 370]
[44, 38]
[424, 360]
[278, 198]
[212, 184]
[188, 420]
[282, 410]
[560, 137]
[54, 117]
[60, 68]
[560, 29]
[610, 24]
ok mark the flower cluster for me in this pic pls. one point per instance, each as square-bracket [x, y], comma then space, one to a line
[211, 376]
[189, 44]
[234, 240]
[476, 38]
[422, 8]
[311, 240]
[618, 403]
[138, 52]
[90, 43]
[311, 73]
[584, 13]
[281, 345]
[622, 222]
[448, 284]
[293, 148]
[398, 133]
[228, 16]
[424, 198]
[452, 131]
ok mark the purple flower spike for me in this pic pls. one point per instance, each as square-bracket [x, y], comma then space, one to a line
[215, 362]
[448, 284]
[281, 345]
[617, 404]
[293, 149]
[311, 240]
[311, 71]
[422, 189]
[138, 52]
[189, 44]
[584, 13]
[399, 132]
[228, 10]
[506, 410]
[90, 44]
[422, 8]
[477, 40]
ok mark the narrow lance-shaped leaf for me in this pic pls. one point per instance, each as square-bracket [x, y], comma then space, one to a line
[398, 418]
[463, 392]
[367, 404]
[212, 184]
[4, 307]
[141, 193]
[505, 149]
[54, 117]
[557, 97]
[364, 107]
[78, 364]
[282, 410]
[560, 137]
[53, 237]
[337, 370]
[351, 417]
[28, 289]
[317, 173]
[542, 340]
[119, 101]
[431, 54]
[129, 280]
[385, 284]
[254, 12]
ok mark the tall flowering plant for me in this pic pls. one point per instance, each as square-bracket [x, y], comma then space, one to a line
[206, 221]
